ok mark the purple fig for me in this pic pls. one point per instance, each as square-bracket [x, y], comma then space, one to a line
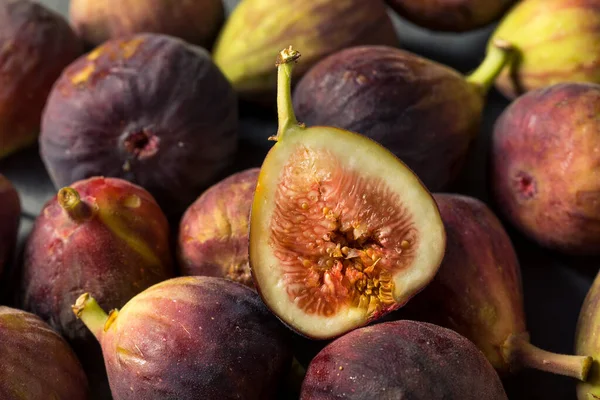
[10, 214]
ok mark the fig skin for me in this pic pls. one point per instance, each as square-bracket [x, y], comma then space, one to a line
[401, 359]
[257, 30]
[190, 338]
[554, 204]
[10, 218]
[148, 108]
[556, 41]
[213, 235]
[37, 44]
[587, 341]
[451, 15]
[37, 363]
[195, 21]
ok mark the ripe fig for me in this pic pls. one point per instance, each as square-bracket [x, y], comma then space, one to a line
[341, 231]
[545, 165]
[258, 29]
[190, 338]
[587, 341]
[10, 214]
[451, 15]
[401, 360]
[195, 21]
[427, 114]
[147, 108]
[36, 44]
[213, 234]
[556, 41]
[37, 363]
[477, 292]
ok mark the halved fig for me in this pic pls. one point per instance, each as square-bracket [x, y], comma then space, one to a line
[341, 231]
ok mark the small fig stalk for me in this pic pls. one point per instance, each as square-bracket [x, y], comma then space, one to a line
[70, 201]
[498, 57]
[87, 309]
[285, 108]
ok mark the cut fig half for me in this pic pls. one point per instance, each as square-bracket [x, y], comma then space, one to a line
[341, 231]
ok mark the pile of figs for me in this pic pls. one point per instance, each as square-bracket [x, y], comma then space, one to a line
[341, 257]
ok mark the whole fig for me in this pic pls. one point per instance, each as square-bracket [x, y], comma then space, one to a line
[10, 215]
[258, 29]
[147, 108]
[213, 233]
[545, 164]
[36, 44]
[587, 341]
[556, 41]
[195, 21]
[190, 338]
[37, 363]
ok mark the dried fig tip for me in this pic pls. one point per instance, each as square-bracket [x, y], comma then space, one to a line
[287, 55]
[498, 56]
[70, 201]
[80, 304]
[91, 314]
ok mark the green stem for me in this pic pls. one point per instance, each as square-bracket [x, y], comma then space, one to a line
[93, 316]
[70, 201]
[285, 109]
[498, 56]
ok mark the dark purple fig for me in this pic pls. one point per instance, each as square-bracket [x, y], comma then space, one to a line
[401, 360]
[148, 108]
[36, 44]
[190, 338]
[10, 215]
[37, 363]
[425, 113]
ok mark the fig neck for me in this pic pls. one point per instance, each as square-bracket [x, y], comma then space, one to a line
[70, 201]
[285, 108]
[92, 315]
[498, 56]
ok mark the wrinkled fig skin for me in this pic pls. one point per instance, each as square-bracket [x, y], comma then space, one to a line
[557, 41]
[122, 249]
[36, 44]
[391, 96]
[10, 213]
[195, 21]
[37, 363]
[213, 236]
[147, 108]
[587, 341]
[451, 15]
[258, 29]
[401, 360]
[545, 165]
[196, 338]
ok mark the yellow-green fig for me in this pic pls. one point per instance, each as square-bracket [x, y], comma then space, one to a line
[556, 41]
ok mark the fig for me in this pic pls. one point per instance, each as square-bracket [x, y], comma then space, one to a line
[477, 292]
[427, 114]
[556, 41]
[10, 214]
[587, 342]
[544, 166]
[148, 108]
[451, 15]
[37, 363]
[195, 21]
[341, 231]
[213, 233]
[257, 29]
[189, 338]
[401, 360]
[36, 44]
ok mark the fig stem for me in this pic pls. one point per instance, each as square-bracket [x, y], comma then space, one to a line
[519, 352]
[498, 56]
[70, 201]
[285, 108]
[93, 316]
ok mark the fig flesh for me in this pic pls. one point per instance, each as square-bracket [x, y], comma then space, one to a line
[258, 29]
[36, 44]
[556, 41]
[10, 214]
[148, 108]
[425, 113]
[477, 292]
[341, 231]
[37, 363]
[191, 338]
[213, 235]
[587, 341]
[195, 21]
[401, 360]
[545, 166]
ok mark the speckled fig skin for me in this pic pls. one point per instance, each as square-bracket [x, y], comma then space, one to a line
[451, 15]
[36, 44]
[401, 360]
[195, 338]
[10, 214]
[544, 166]
[196, 21]
[148, 108]
[588, 342]
[258, 29]
[425, 113]
[37, 363]
[213, 233]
